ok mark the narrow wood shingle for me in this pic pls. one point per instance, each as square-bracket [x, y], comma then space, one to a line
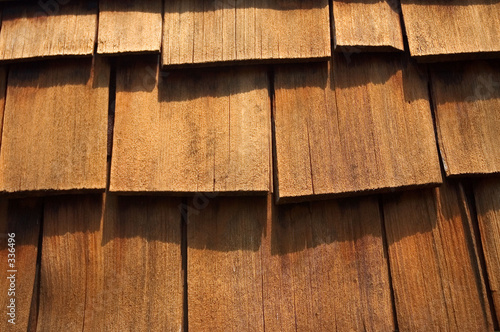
[129, 26]
[487, 196]
[367, 26]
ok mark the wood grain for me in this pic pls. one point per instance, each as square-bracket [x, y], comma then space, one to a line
[363, 123]
[3, 88]
[71, 268]
[436, 275]
[325, 268]
[367, 25]
[191, 131]
[55, 127]
[487, 195]
[442, 27]
[48, 28]
[142, 281]
[129, 26]
[23, 218]
[467, 100]
[207, 31]
[224, 267]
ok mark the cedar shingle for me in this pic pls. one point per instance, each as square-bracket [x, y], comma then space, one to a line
[487, 195]
[436, 274]
[367, 25]
[467, 104]
[203, 131]
[129, 26]
[55, 127]
[210, 31]
[363, 123]
[439, 28]
[48, 29]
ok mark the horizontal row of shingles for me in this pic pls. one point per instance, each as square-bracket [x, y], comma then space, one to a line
[202, 31]
[251, 264]
[348, 127]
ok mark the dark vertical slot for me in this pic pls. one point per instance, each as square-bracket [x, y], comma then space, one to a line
[184, 221]
[274, 178]
[111, 117]
[386, 254]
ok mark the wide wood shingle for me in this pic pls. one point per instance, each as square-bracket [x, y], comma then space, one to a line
[203, 131]
[466, 103]
[55, 127]
[48, 28]
[211, 31]
[362, 123]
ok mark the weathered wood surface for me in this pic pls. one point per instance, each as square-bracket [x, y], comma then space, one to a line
[325, 268]
[48, 28]
[3, 85]
[487, 196]
[207, 31]
[129, 26]
[142, 285]
[363, 123]
[23, 218]
[443, 27]
[189, 132]
[55, 127]
[367, 25]
[224, 264]
[117, 269]
[467, 100]
[437, 279]
[72, 267]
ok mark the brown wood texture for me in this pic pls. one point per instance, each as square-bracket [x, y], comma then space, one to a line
[142, 284]
[190, 132]
[437, 280]
[444, 27]
[129, 26]
[112, 270]
[207, 31]
[367, 25]
[364, 123]
[23, 218]
[487, 196]
[71, 267]
[224, 264]
[325, 268]
[466, 103]
[55, 127]
[48, 28]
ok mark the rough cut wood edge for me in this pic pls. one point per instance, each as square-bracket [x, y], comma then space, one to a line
[129, 26]
[436, 274]
[487, 197]
[367, 26]
[23, 218]
[55, 127]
